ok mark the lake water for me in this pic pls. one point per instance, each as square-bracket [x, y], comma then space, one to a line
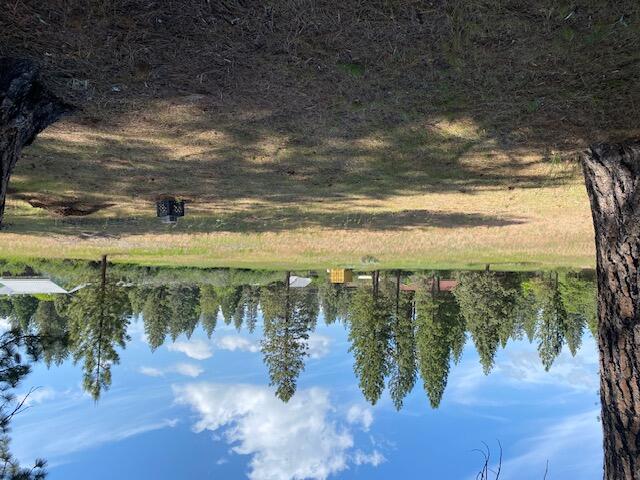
[206, 360]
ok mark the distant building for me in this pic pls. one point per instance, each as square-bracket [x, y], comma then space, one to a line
[30, 286]
[340, 275]
[299, 282]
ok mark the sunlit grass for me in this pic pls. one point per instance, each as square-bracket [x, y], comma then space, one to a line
[437, 194]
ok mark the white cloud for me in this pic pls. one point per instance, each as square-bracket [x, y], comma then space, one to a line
[80, 440]
[186, 369]
[151, 372]
[82, 429]
[318, 345]
[520, 368]
[359, 415]
[579, 373]
[195, 348]
[374, 458]
[236, 342]
[36, 396]
[575, 442]
[291, 440]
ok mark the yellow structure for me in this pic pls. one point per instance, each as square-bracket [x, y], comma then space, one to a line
[340, 275]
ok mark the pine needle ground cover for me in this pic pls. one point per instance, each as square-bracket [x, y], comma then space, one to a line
[307, 133]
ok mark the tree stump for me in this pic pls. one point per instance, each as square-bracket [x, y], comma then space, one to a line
[26, 108]
[612, 175]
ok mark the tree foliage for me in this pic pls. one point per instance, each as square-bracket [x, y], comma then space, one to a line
[98, 319]
[370, 337]
[14, 347]
[487, 303]
[209, 306]
[552, 317]
[440, 339]
[402, 361]
[286, 331]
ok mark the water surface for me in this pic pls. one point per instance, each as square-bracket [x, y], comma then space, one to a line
[232, 375]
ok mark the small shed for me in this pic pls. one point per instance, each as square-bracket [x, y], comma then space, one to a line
[340, 275]
[29, 286]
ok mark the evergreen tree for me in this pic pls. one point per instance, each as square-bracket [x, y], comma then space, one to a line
[98, 319]
[229, 299]
[329, 298]
[23, 308]
[370, 337]
[449, 311]
[440, 338]
[286, 331]
[13, 369]
[137, 298]
[239, 314]
[184, 306]
[574, 331]
[156, 315]
[209, 306]
[402, 363]
[53, 331]
[486, 302]
[6, 309]
[552, 317]
[580, 298]
[308, 306]
[252, 303]
[526, 314]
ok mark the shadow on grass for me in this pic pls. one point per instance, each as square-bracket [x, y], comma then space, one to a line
[290, 107]
[257, 221]
[405, 163]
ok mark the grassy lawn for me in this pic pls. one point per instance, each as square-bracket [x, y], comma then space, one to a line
[307, 134]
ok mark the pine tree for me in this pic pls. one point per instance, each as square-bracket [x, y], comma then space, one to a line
[184, 305]
[486, 302]
[229, 299]
[156, 316]
[402, 363]
[370, 338]
[434, 343]
[23, 309]
[98, 319]
[13, 369]
[552, 317]
[252, 304]
[579, 296]
[209, 306]
[286, 331]
[53, 330]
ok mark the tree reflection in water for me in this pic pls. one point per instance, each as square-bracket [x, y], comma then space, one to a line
[401, 325]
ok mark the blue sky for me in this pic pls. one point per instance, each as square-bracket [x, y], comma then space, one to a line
[202, 408]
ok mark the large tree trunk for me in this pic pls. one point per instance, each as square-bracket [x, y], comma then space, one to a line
[26, 108]
[612, 174]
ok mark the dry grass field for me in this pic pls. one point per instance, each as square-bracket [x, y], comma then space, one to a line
[306, 133]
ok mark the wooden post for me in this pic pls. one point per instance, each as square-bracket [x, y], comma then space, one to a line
[612, 175]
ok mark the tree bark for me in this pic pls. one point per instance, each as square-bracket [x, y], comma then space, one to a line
[612, 175]
[26, 108]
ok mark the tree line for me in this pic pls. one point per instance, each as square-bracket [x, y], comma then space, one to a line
[401, 327]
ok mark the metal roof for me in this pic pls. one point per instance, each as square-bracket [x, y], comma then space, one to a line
[298, 282]
[29, 286]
